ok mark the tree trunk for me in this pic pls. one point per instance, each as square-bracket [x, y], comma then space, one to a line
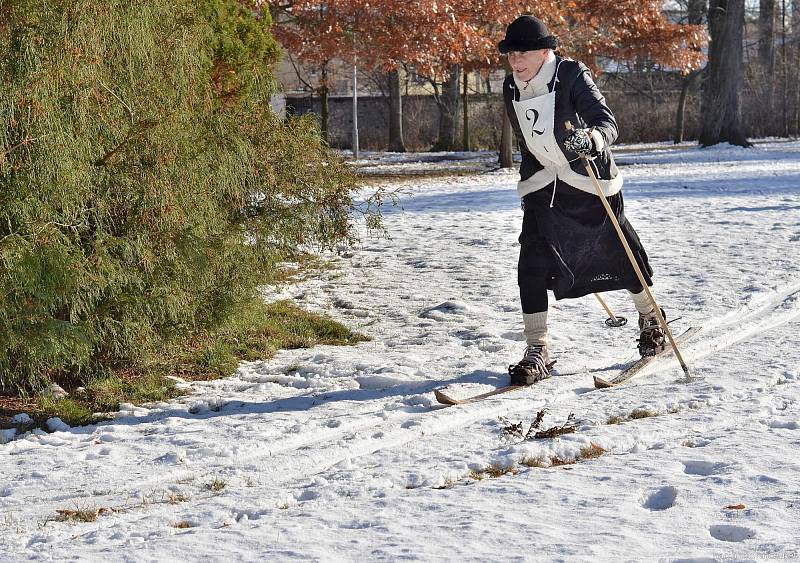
[721, 110]
[506, 143]
[766, 35]
[795, 21]
[766, 57]
[465, 111]
[396, 142]
[696, 11]
[325, 113]
[448, 108]
[795, 39]
[796, 58]
[324, 110]
[784, 71]
[679, 118]
[355, 112]
[507, 134]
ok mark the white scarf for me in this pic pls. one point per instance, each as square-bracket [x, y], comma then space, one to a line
[538, 85]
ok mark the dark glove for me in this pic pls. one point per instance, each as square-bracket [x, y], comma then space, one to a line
[579, 141]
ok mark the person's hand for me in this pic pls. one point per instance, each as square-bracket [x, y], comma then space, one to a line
[579, 141]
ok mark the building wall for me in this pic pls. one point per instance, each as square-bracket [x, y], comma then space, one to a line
[645, 112]
[420, 120]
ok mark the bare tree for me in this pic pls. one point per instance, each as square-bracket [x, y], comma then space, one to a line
[507, 134]
[447, 103]
[795, 40]
[696, 13]
[396, 142]
[321, 89]
[324, 94]
[506, 143]
[465, 113]
[766, 51]
[766, 35]
[795, 16]
[722, 116]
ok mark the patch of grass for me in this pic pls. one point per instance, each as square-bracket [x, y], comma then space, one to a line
[264, 328]
[218, 358]
[216, 486]
[556, 461]
[637, 414]
[77, 516]
[305, 266]
[183, 524]
[176, 498]
[256, 331]
[82, 516]
[69, 410]
[591, 451]
[105, 395]
[494, 470]
[528, 461]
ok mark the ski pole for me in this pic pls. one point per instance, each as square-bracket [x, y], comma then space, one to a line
[612, 320]
[629, 252]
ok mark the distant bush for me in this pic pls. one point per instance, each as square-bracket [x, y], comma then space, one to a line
[146, 187]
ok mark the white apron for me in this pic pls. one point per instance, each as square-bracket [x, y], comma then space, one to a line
[536, 118]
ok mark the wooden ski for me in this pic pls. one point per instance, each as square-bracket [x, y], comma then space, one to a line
[445, 399]
[630, 372]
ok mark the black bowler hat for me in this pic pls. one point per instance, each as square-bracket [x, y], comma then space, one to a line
[527, 33]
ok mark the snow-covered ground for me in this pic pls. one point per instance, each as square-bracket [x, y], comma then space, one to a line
[342, 453]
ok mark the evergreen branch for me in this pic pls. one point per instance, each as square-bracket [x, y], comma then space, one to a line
[138, 130]
[23, 142]
[43, 227]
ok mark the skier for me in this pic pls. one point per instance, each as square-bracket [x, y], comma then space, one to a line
[568, 244]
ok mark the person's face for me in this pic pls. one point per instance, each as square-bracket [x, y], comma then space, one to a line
[526, 64]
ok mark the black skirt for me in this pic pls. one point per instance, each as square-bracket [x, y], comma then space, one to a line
[575, 244]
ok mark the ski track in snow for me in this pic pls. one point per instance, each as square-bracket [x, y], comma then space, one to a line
[341, 453]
